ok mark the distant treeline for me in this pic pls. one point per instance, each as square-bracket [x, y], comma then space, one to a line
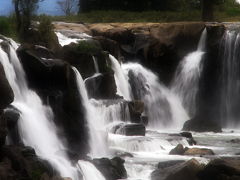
[139, 5]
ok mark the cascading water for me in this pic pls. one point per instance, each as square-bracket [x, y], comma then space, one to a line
[186, 80]
[95, 64]
[163, 108]
[96, 127]
[230, 78]
[35, 123]
[123, 87]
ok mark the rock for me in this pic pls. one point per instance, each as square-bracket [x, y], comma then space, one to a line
[101, 86]
[112, 169]
[167, 164]
[198, 151]
[55, 82]
[81, 56]
[235, 141]
[189, 137]
[178, 150]
[136, 109]
[186, 134]
[18, 162]
[6, 92]
[109, 45]
[183, 171]
[201, 126]
[131, 130]
[221, 169]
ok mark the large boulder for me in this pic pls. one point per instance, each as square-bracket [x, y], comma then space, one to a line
[112, 169]
[200, 125]
[18, 162]
[101, 86]
[221, 169]
[55, 81]
[181, 171]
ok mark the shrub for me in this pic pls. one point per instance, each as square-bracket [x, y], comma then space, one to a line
[5, 28]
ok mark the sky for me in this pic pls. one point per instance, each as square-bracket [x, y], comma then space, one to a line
[46, 7]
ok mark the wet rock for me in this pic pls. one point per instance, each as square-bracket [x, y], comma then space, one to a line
[189, 137]
[101, 86]
[235, 141]
[201, 126]
[55, 82]
[136, 109]
[167, 164]
[198, 151]
[6, 92]
[109, 45]
[183, 171]
[221, 169]
[178, 150]
[112, 169]
[131, 130]
[18, 162]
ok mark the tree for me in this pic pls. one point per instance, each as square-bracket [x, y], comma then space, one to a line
[24, 10]
[207, 10]
[67, 6]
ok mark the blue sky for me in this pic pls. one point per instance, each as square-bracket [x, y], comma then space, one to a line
[47, 7]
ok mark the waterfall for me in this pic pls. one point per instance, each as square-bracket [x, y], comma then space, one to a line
[230, 78]
[186, 81]
[163, 108]
[123, 88]
[95, 64]
[98, 137]
[35, 125]
[89, 171]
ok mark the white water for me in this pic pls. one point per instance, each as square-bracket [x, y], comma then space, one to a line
[89, 171]
[123, 87]
[230, 79]
[35, 125]
[186, 80]
[163, 108]
[98, 137]
[95, 64]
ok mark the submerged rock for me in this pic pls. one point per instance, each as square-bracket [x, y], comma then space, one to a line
[183, 171]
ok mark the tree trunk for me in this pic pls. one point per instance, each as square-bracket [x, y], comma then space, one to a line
[207, 10]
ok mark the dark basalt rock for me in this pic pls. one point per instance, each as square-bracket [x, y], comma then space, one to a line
[18, 162]
[180, 171]
[11, 115]
[101, 86]
[221, 169]
[136, 109]
[167, 164]
[131, 130]
[201, 126]
[55, 82]
[189, 137]
[112, 169]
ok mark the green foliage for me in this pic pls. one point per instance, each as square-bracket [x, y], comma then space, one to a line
[45, 28]
[5, 27]
[88, 47]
